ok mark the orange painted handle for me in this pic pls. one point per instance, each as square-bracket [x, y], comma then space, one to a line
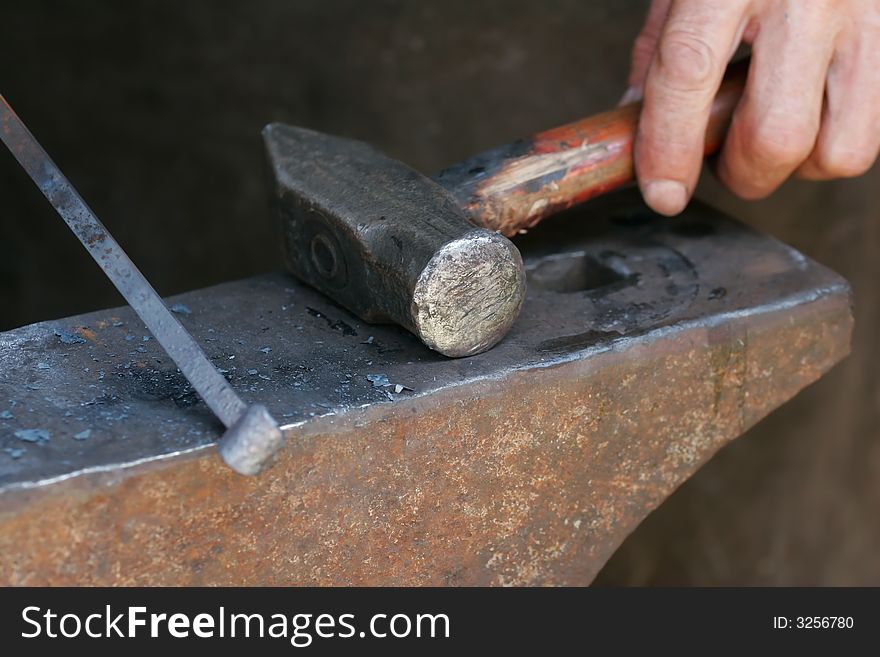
[512, 188]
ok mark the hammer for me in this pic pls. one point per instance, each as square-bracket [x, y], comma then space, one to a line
[430, 254]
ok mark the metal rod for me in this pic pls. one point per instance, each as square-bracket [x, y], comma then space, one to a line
[169, 332]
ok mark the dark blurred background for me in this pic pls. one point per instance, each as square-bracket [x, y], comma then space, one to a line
[154, 110]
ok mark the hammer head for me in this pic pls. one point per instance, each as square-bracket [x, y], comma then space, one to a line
[389, 244]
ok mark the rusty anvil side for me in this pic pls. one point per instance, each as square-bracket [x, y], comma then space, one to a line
[643, 347]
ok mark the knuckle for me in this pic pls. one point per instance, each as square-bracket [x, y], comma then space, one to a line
[686, 60]
[739, 178]
[846, 163]
[784, 142]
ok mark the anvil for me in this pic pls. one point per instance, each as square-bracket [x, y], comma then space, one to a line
[644, 345]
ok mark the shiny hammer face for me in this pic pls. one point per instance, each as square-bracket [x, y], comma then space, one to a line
[389, 244]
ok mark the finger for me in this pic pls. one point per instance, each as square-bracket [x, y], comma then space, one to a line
[694, 47]
[776, 123]
[643, 49]
[849, 139]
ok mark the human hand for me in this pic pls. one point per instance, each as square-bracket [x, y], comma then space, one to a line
[811, 106]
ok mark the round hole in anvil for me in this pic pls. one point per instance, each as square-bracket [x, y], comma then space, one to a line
[574, 272]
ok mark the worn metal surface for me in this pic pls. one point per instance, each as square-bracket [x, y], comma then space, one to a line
[246, 451]
[390, 245]
[642, 348]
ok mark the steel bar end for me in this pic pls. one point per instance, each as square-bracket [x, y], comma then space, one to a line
[249, 445]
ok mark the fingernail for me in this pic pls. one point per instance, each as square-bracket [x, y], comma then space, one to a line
[665, 196]
[631, 95]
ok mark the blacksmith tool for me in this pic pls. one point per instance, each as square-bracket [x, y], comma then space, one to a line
[429, 254]
[252, 436]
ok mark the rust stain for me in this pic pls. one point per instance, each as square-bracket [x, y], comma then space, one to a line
[87, 333]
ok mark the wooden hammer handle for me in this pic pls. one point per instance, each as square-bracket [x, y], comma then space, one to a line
[512, 188]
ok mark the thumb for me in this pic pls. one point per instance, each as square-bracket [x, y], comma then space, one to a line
[644, 48]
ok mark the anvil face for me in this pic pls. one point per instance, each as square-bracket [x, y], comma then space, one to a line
[643, 346]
